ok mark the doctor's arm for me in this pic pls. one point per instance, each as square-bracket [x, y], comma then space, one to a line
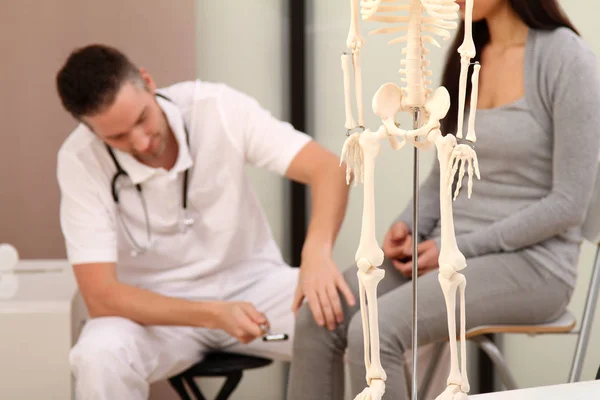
[88, 225]
[320, 278]
[105, 296]
[266, 142]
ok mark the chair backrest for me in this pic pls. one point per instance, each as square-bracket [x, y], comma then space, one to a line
[591, 232]
[591, 226]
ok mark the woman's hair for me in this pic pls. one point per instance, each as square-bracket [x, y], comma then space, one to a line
[536, 14]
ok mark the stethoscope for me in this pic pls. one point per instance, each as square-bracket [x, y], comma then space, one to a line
[184, 221]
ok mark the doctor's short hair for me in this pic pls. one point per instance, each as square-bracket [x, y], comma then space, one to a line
[91, 77]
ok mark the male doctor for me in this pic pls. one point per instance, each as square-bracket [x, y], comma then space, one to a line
[170, 248]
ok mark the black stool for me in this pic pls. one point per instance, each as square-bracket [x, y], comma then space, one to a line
[229, 365]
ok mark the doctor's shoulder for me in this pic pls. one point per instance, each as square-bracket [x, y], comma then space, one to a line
[185, 92]
[181, 93]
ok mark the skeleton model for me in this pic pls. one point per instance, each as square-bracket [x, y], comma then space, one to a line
[362, 146]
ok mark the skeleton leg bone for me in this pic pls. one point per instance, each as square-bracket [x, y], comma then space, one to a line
[451, 261]
[365, 319]
[368, 257]
[465, 387]
[450, 288]
[368, 247]
[376, 376]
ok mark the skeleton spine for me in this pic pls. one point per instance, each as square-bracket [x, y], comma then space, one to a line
[415, 89]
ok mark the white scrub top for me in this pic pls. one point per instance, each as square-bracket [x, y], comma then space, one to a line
[230, 235]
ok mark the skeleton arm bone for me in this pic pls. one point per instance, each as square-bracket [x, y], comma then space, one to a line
[350, 122]
[462, 88]
[467, 51]
[354, 42]
[358, 87]
[473, 107]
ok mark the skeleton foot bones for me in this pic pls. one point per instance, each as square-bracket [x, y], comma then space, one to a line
[363, 145]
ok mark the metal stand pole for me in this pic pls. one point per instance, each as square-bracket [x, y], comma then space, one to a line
[416, 123]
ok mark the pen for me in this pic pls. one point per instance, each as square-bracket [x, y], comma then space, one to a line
[272, 337]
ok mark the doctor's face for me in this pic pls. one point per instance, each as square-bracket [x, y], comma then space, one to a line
[482, 8]
[133, 123]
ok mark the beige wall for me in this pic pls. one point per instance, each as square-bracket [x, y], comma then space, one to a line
[35, 38]
[256, 65]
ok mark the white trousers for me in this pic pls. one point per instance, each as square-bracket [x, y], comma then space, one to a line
[116, 358]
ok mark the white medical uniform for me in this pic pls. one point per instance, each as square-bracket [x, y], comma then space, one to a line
[228, 254]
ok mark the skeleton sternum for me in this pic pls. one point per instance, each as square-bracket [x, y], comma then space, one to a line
[413, 62]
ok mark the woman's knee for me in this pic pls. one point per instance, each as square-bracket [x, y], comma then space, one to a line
[310, 335]
[305, 322]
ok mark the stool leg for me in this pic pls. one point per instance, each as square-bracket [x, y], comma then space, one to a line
[229, 386]
[194, 388]
[177, 384]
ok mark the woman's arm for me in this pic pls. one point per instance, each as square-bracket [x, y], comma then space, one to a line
[576, 121]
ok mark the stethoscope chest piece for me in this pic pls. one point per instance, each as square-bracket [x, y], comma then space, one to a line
[185, 221]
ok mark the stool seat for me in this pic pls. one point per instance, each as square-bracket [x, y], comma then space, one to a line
[229, 365]
[220, 364]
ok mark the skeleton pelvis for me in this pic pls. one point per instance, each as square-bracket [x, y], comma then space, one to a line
[387, 101]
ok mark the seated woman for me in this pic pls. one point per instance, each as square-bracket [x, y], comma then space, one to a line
[538, 140]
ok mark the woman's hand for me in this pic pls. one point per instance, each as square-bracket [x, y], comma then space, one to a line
[427, 253]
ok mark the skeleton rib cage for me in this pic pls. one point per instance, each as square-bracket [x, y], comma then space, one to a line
[426, 20]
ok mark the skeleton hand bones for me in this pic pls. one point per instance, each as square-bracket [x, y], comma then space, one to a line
[466, 154]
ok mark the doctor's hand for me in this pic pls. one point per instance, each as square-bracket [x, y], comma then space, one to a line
[319, 282]
[427, 260]
[241, 320]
